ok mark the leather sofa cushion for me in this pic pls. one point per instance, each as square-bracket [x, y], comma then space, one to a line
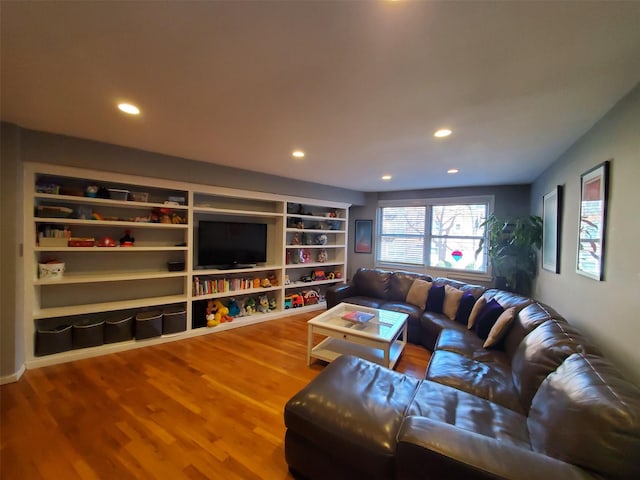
[468, 344]
[541, 352]
[400, 283]
[490, 381]
[526, 320]
[364, 301]
[372, 283]
[432, 324]
[449, 405]
[587, 414]
[411, 310]
[355, 408]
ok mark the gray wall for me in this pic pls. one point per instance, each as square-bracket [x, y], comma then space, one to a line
[510, 200]
[22, 145]
[609, 310]
[11, 333]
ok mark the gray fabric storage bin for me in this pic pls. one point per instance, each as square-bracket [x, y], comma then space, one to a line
[53, 340]
[118, 328]
[148, 324]
[174, 319]
[88, 333]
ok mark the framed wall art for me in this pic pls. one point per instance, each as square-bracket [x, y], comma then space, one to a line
[363, 236]
[594, 191]
[551, 225]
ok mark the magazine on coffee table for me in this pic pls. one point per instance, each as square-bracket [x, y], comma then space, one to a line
[358, 316]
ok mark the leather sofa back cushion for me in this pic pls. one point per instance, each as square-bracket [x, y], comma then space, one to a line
[400, 283]
[372, 283]
[464, 309]
[526, 320]
[587, 414]
[500, 328]
[541, 352]
[452, 297]
[487, 318]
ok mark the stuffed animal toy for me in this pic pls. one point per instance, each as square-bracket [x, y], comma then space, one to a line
[272, 304]
[256, 282]
[234, 308]
[219, 311]
[265, 283]
[263, 304]
[211, 314]
[250, 306]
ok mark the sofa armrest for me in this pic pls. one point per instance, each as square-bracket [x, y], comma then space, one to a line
[338, 293]
[432, 449]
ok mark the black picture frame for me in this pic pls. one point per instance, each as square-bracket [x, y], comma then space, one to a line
[552, 204]
[363, 238]
[594, 194]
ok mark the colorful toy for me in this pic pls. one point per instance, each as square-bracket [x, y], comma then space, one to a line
[273, 279]
[250, 306]
[263, 304]
[234, 308]
[288, 302]
[323, 256]
[256, 282]
[318, 275]
[294, 300]
[265, 283]
[127, 240]
[211, 315]
[311, 297]
[217, 313]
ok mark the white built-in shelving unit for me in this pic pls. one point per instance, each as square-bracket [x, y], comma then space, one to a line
[306, 250]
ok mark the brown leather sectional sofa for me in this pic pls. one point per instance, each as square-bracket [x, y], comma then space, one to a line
[544, 404]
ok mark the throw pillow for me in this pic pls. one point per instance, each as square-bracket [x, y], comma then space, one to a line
[418, 293]
[451, 302]
[464, 309]
[500, 328]
[475, 311]
[436, 298]
[487, 318]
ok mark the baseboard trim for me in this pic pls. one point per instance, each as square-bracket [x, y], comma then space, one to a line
[14, 377]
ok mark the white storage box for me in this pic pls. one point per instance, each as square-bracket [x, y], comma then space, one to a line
[51, 271]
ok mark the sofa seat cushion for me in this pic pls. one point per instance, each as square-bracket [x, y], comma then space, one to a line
[449, 405]
[412, 311]
[354, 409]
[468, 344]
[365, 301]
[491, 381]
[434, 323]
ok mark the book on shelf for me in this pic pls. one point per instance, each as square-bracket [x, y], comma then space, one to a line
[357, 316]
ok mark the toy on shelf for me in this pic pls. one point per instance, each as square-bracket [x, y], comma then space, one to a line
[107, 242]
[127, 240]
[311, 297]
[273, 279]
[263, 304]
[294, 300]
[272, 304]
[323, 256]
[217, 313]
[265, 283]
[305, 256]
[234, 308]
[295, 240]
[318, 275]
[250, 306]
[256, 282]
[321, 239]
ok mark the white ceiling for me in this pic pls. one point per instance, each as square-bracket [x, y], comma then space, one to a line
[360, 86]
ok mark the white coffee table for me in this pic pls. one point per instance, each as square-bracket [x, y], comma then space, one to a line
[380, 339]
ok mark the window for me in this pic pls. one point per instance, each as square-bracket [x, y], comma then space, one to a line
[444, 233]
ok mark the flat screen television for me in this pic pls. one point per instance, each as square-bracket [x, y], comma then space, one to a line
[231, 244]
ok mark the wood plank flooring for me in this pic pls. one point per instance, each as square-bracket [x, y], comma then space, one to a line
[209, 407]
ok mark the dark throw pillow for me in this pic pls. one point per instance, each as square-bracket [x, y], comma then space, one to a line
[487, 317]
[464, 309]
[436, 298]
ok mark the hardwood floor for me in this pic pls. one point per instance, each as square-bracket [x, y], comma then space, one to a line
[209, 407]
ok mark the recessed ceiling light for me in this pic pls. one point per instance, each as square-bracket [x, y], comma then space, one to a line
[387, 177]
[453, 170]
[298, 154]
[129, 108]
[443, 132]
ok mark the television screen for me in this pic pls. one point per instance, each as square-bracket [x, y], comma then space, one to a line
[231, 244]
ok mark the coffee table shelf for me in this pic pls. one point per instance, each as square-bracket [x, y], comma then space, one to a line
[381, 340]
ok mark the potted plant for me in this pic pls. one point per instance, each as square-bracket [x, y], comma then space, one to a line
[513, 250]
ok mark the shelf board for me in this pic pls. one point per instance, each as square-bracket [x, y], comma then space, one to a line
[98, 277]
[109, 223]
[110, 249]
[217, 271]
[107, 306]
[315, 217]
[106, 201]
[236, 212]
[300, 247]
[313, 230]
[312, 265]
[310, 284]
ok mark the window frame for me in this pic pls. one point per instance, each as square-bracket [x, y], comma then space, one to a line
[429, 203]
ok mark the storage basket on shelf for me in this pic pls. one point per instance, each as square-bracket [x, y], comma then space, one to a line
[148, 324]
[118, 328]
[174, 319]
[53, 340]
[88, 333]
